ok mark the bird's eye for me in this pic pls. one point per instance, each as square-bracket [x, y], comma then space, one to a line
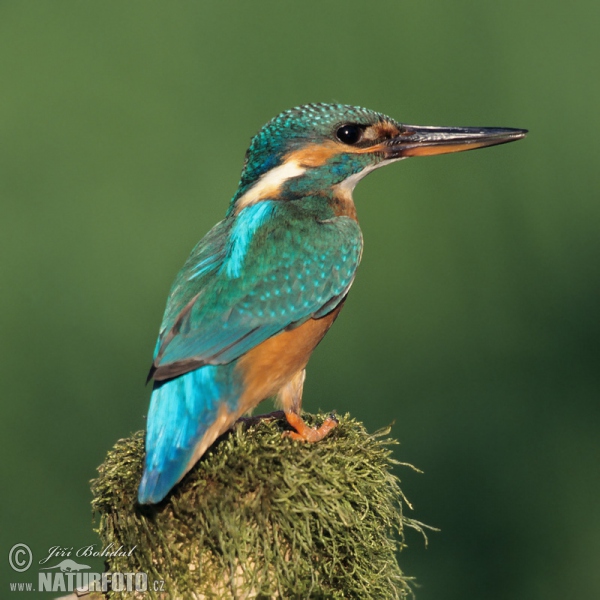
[349, 134]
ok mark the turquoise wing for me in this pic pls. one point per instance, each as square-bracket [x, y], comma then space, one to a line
[250, 278]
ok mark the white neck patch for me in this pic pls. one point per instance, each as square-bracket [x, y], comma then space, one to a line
[269, 184]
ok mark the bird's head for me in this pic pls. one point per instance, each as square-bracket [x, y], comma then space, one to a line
[310, 149]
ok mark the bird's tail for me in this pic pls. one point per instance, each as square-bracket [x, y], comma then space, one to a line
[181, 411]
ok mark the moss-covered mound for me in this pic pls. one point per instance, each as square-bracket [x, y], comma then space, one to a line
[261, 516]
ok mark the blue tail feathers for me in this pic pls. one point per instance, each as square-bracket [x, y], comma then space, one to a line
[181, 410]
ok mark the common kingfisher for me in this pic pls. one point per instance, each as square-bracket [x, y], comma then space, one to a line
[264, 285]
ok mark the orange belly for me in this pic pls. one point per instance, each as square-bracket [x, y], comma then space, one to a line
[268, 367]
[265, 370]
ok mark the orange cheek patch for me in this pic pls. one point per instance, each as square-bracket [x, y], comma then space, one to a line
[315, 155]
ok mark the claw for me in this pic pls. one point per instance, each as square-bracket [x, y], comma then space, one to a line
[304, 433]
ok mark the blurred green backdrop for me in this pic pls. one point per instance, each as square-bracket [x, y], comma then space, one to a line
[473, 323]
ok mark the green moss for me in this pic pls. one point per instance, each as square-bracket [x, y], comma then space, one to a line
[261, 516]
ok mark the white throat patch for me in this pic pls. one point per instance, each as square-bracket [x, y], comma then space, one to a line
[347, 186]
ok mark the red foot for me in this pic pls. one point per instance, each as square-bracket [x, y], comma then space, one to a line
[304, 433]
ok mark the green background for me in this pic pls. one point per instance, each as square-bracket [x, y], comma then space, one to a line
[473, 322]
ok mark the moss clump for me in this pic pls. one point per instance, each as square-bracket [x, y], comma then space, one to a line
[263, 517]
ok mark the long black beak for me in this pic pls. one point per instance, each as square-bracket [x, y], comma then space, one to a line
[415, 140]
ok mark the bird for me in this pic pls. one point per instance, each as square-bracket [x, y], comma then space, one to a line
[265, 284]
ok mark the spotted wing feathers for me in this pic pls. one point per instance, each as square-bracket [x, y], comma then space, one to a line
[288, 273]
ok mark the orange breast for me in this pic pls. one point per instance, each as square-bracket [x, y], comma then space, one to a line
[268, 367]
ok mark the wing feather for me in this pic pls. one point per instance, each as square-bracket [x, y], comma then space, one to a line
[290, 271]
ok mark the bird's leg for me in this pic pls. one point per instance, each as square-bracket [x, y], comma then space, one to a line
[290, 398]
